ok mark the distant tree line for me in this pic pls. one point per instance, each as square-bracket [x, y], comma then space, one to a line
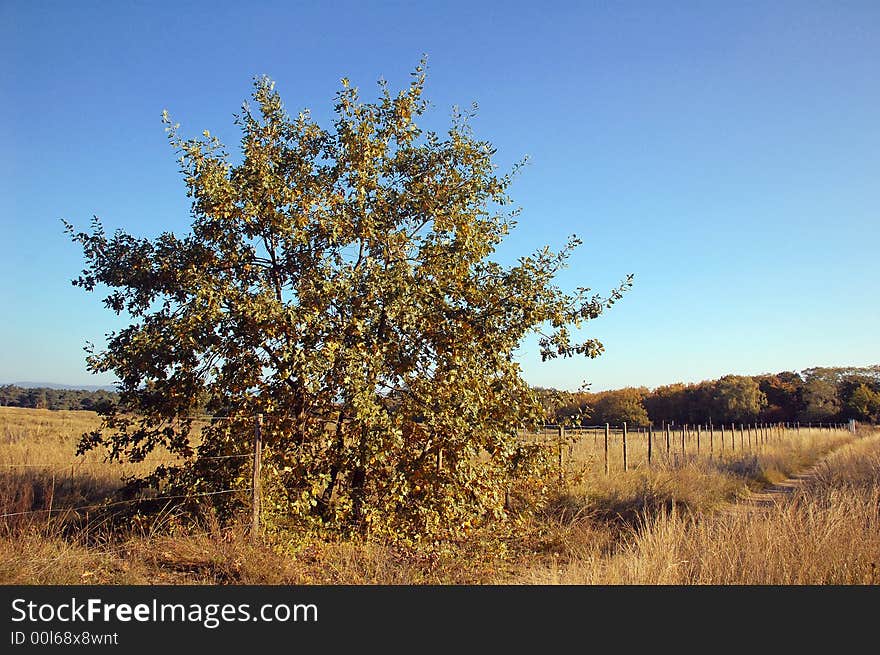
[812, 395]
[48, 398]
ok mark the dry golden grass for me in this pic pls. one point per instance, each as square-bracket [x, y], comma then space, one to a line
[826, 533]
[39, 468]
[650, 525]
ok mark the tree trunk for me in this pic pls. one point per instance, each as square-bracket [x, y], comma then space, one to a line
[322, 509]
[358, 484]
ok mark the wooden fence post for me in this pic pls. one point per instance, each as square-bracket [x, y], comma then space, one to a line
[667, 440]
[256, 495]
[711, 440]
[722, 438]
[606, 449]
[561, 439]
[742, 445]
[625, 468]
[683, 445]
[699, 430]
[650, 435]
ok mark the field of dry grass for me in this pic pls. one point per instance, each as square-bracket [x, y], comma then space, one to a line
[828, 532]
[665, 524]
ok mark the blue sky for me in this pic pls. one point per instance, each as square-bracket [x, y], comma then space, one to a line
[727, 154]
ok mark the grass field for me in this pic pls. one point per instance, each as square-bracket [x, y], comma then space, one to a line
[668, 523]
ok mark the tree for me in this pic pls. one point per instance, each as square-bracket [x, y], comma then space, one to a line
[562, 407]
[864, 404]
[783, 391]
[666, 404]
[821, 400]
[739, 398]
[340, 282]
[622, 405]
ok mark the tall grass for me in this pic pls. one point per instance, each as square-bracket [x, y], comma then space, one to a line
[828, 532]
[39, 467]
[657, 524]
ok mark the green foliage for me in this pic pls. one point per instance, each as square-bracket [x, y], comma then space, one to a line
[784, 392]
[815, 394]
[682, 403]
[864, 404]
[340, 282]
[821, 400]
[56, 399]
[739, 398]
[563, 407]
[623, 405]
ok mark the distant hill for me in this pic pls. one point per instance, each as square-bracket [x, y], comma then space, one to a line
[70, 387]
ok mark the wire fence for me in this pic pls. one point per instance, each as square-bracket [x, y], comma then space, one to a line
[81, 508]
[583, 449]
[607, 449]
[53, 468]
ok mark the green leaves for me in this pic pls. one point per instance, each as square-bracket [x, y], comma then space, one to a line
[340, 282]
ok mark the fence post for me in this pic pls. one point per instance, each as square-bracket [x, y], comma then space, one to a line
[667, 440]
[650, 435]
[742, 445]
[561, 439]
[683, 446]
[625, 468]
[606, 449]
[711, 440]
[722, 438]
[256, 495]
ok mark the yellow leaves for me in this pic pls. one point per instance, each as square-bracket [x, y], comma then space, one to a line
[346, 272]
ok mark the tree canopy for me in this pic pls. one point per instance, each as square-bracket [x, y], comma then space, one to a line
[340, 282]
[621, 406]
[812, 395]
[739, 398]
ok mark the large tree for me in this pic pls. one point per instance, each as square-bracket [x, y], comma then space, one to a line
[821, 399]
[864, 404]
[621, 406]
[739, 398]
[338, 281]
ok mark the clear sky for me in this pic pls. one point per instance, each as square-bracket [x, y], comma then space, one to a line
[727, 154]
